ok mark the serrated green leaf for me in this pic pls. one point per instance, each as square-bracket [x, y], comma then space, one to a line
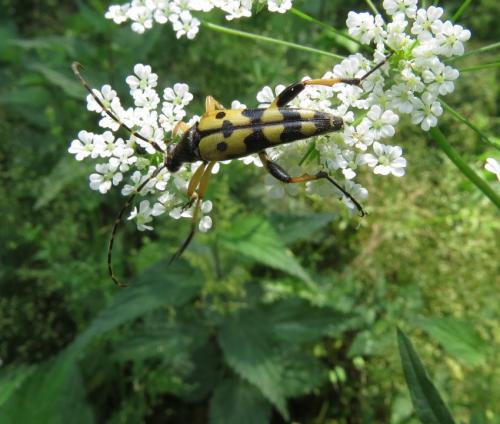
[429, 406]
[250, 350]
[236, 401]
[302, 373]
[55, 393]
[458, 338]
[256, 239]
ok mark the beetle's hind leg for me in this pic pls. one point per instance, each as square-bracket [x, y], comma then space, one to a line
[196, 190]
[292, 91]
[280, 174]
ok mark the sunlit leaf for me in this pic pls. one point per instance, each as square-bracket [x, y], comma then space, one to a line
[256, 239]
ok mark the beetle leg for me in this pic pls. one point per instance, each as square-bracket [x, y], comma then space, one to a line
[108, 111]
[292, 91]
[280, 174]
[201, 185]
[211, 104]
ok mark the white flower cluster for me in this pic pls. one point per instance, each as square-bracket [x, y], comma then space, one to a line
[409, 83]
[144, 13]
[154, 120]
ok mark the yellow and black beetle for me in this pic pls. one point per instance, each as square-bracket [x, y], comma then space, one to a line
[223, 134]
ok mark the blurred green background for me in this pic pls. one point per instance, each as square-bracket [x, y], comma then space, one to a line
[287, 310]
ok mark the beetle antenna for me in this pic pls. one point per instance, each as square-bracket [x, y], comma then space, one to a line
[118, 220]
[76, 66]
[371, 71]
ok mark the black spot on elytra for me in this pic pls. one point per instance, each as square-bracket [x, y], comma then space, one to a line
[256, 142]
[255, 115]
[220, 115]
[291, 132]
[222, 146]
[227, 128]
[289, 93]
[290, 114]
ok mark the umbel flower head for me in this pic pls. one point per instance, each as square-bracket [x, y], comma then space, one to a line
[410, 82]
[144, 13]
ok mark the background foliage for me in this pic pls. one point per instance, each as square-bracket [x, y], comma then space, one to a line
[287, 310]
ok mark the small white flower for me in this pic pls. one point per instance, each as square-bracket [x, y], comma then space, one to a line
[387, 160]
[236, 104]
[117, 13]
[440, 78]
[186, 25]
[179, 95]
[205, 223]
[106, 176]
[280, 6]
[83, 146]
[427, 22]
[451, 38]
[426, 111]
[142, 216]
[381, 122]
[401, 98]
[493, 166]
[142, 79]
[105, 95]
[405, 7]
[360, 137]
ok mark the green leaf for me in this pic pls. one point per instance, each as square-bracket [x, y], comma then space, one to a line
[256, 239]
[250, 350]
[65, 81]
[427, 402]
[54, 394]
[11, 379]
[63, 173]
[33, 97]
[457, 337]
[293, 228]
[236, 401]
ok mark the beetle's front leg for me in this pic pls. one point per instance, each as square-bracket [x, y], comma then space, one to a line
[196, 190]
[280, 174]
[212, 105]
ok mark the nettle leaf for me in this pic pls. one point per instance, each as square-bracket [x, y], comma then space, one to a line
[457, 337]
[236, 401]
[250, 349]
[55, 393]
[429, 406]
[263, 346]
[256, 239]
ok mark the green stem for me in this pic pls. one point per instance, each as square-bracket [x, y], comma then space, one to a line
[480, 67]
[309, 18]
[476, 51]
[372, 7]
[461, 10]
[453, 155]
[244, 34]
[464, 120]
